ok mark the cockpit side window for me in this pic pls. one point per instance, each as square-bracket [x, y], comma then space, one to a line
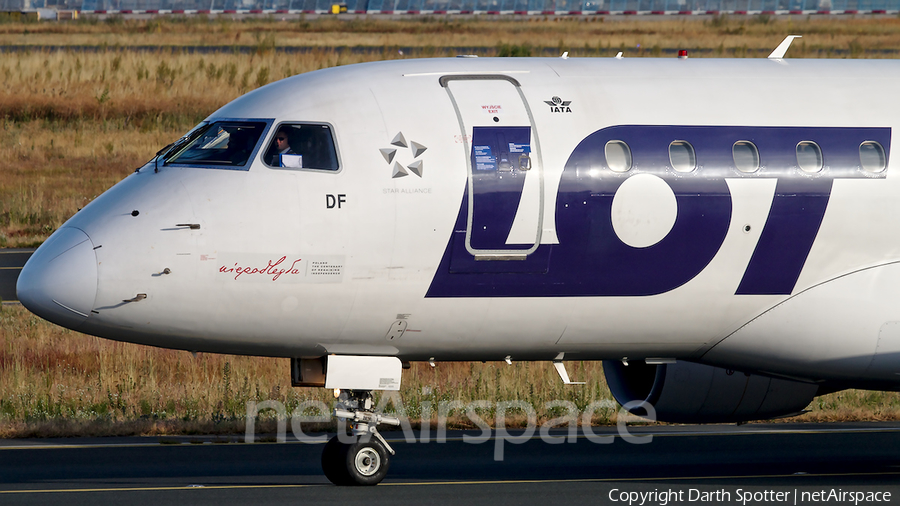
[302, 146]
[222, 143]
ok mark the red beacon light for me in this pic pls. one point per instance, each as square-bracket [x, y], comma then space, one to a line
[682, 54]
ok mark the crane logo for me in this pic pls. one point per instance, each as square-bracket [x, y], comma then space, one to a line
[400, 144]
[558, 105]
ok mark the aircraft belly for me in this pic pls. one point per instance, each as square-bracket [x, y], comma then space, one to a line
[829, 331]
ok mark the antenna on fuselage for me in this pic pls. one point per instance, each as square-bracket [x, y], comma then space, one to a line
[782, 48]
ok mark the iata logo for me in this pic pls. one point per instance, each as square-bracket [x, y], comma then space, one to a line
[558, 105]
[403, 169]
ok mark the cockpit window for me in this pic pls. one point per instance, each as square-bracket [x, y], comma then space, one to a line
[302, 146]
[222, 143]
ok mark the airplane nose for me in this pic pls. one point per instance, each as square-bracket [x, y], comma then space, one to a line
[59, 281]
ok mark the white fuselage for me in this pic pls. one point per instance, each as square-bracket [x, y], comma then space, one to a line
[374, 261]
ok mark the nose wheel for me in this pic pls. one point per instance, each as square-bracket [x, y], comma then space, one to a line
[365, 461]
[361, 457]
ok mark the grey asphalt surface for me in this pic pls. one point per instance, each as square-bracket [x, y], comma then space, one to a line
[723, 462]
[11, 263]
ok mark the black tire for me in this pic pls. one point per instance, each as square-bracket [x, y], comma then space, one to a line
[361, 463]
[332, 462]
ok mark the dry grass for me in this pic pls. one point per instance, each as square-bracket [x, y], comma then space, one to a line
[76, 122]
[139, 86]
[56, 382]
[73, 124]
[853, 406]
[59, 382]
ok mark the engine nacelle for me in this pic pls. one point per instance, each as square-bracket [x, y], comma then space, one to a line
[685, 392]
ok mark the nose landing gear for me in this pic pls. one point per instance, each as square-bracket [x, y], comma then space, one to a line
[361, 457]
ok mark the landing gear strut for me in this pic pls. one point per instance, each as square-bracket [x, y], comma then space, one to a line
[361, 457]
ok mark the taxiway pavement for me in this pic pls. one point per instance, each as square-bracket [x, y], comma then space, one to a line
[11, 263]
[719, 463]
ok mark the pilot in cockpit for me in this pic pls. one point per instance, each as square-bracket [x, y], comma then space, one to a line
[280, 146]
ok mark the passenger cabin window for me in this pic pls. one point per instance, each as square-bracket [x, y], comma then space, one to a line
[302, 146]
[682, 156]
[746, 156]
[222, 143]
[809, 156]
[618, 156]
[871, 157]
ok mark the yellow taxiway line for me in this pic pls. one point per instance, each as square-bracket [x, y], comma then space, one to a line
[433, 483]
